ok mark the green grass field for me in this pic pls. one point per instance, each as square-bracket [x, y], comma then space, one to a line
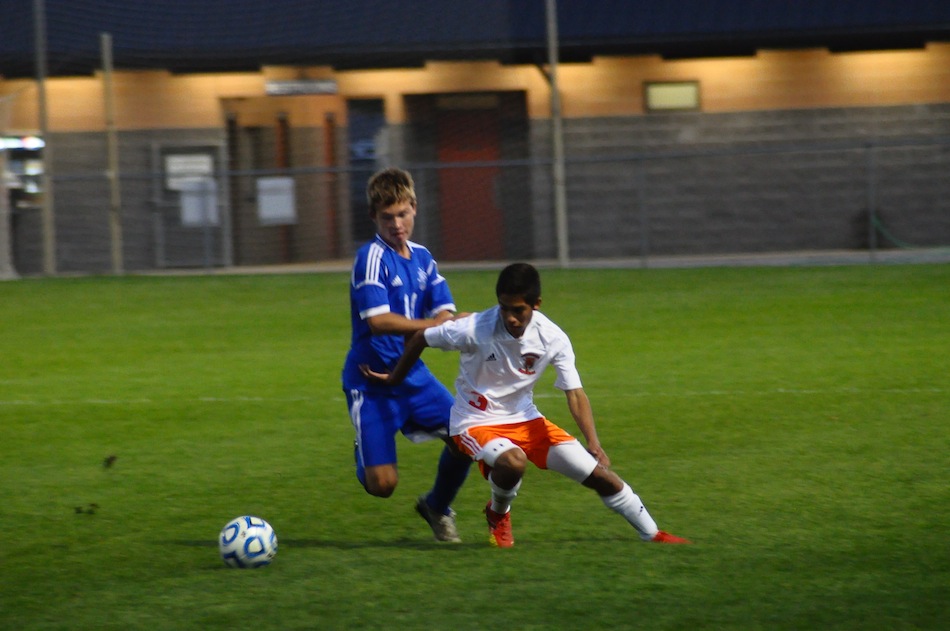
[792, 422]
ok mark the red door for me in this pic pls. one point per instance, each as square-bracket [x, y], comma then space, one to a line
[472, 227]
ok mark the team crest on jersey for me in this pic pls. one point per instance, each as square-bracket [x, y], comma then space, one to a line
[527, 363]
[422, 278]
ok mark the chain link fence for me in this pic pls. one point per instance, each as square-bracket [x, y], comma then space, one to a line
[188, 210]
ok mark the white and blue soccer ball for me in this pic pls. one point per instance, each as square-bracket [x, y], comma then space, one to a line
[247, 541]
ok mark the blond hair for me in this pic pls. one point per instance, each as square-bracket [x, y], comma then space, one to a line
[388, 187]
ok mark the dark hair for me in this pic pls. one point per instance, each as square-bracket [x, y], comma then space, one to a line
[389, 186]
[520, 279]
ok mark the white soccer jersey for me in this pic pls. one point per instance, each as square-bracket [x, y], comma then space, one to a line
[497, 372]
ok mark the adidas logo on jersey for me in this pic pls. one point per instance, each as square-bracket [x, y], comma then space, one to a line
[491, 358]
[397, 282]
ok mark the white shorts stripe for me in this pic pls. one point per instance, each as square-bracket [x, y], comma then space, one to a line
[357, 398]
[470, 444]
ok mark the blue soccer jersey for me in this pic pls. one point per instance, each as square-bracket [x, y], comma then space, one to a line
[384, 282]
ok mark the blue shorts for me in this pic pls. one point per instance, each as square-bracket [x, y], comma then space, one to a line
[420, 413]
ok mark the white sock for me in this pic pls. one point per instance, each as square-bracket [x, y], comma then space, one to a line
[501, 498]
[628, 504]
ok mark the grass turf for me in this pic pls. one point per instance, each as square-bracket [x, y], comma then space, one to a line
[792, 422]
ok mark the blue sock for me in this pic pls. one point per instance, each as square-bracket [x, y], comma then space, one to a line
[452, 473]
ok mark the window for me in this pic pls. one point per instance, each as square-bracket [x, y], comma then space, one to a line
[671, 96]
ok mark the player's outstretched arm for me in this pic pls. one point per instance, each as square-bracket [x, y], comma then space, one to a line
[395, 324]
[579, 405]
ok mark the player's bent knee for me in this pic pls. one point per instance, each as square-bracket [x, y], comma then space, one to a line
[381, 481]
[379, 491]
[514, 460]
[508, 472]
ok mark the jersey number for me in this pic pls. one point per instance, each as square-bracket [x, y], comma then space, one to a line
[479, 402]
[410, 305]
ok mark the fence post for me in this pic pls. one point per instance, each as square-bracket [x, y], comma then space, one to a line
[48, 209]
[557, 139]
[872, 200]
[641, 181]
[112, 142]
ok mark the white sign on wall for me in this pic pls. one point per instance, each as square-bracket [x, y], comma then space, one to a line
[276, 201]
[180, 167]
[301, 86]
[199, 202]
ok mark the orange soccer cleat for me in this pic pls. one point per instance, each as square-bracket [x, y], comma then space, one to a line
[665, 537]
[499, 528]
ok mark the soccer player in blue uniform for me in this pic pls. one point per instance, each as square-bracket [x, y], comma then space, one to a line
[396, 290]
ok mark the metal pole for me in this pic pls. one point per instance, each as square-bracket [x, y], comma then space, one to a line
[208, 200]
[7, 271]
[112, 138]
[48, 214]
[557, 140]
[644, 220]
[872, 201]
[156, 201]
[224, 205]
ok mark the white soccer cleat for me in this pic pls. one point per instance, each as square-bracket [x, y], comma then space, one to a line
[443, 526]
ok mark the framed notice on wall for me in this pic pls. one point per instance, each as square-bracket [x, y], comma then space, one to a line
[185, 165]
[276, 201]
[199, 203]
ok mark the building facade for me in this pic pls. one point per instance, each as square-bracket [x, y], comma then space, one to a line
[773, 151]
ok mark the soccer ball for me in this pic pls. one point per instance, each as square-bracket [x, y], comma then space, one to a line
[247, 541]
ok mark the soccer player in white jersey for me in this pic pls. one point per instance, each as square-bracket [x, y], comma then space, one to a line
[494, 420]
[395, 290]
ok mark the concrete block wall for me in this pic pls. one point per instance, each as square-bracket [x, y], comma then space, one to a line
[152, 231]
[689, 183]
[694, 183]
[82, 204]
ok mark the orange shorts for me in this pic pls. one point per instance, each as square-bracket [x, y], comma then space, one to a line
[534, 437]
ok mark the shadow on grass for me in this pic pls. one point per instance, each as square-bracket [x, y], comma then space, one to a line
[411, 544]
